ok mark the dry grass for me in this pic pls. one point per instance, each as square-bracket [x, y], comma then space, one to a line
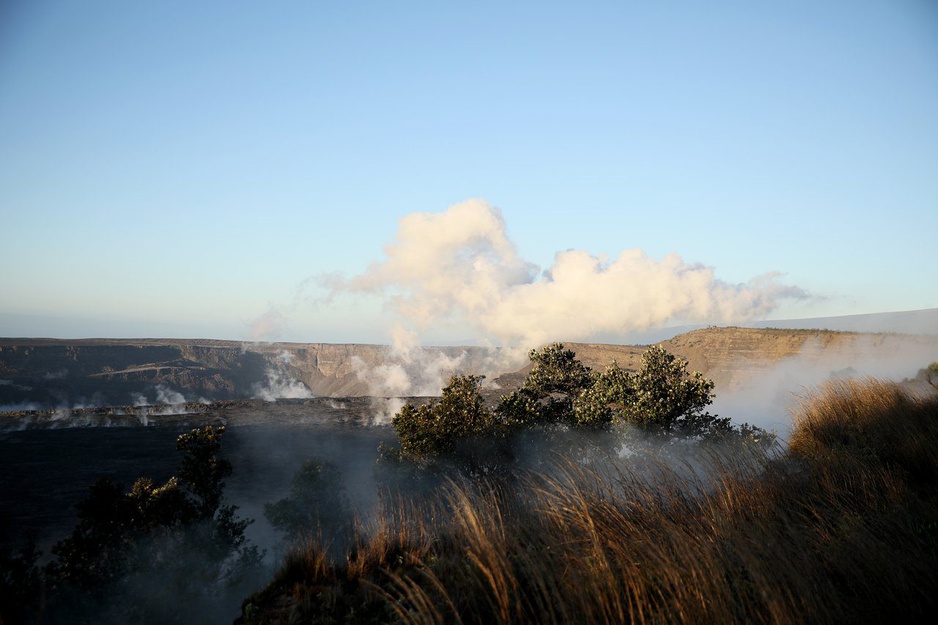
[843, 528]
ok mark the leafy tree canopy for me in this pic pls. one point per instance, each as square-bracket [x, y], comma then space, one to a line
[455, 427]
[662, 400]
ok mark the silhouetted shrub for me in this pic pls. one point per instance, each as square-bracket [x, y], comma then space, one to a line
[149, 554]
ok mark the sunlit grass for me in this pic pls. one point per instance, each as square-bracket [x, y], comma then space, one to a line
[843, 527]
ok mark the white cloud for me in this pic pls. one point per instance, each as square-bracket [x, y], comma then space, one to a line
[460, 265]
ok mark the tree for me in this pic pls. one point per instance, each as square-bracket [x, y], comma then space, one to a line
[662, 398]
[606, 399]
[929, 374]
[664, 401]
[549, 390]
[665, 398]
[459, 429]
[98, 551]
[178, 533]
[557, 371]
[561, 395]
[201, 471]
[438, 428]
[20, 584]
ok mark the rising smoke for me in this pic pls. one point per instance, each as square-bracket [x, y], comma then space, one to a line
[460, 266]
[767, 397]
[281, 382]
[269, 326]
[459, 269]
[413, 370]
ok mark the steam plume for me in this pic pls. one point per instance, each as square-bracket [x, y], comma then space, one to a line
[281, 384]
[412, 370]
[267, 327]
[460, 265]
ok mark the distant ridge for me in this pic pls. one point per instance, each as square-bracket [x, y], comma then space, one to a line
[924, 322]
[919, 322]
[115, 372]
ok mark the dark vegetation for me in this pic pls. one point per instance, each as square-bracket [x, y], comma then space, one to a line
[154, 553]
[840, 528]
[929, 374]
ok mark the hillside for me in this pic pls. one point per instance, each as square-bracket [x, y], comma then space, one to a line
[733, 357]
[63, 372]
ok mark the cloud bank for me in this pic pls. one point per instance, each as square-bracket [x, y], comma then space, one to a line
[460, 266]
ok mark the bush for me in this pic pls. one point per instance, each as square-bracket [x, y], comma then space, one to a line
[148, 553]
[561, 400]
[458, 429]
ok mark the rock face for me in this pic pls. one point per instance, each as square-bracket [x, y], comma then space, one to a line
[733, 357]
[48, 372]
[45, 373]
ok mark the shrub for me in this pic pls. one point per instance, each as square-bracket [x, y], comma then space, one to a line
[20, 584]
[459, 430]
[144, 554]
[560, 400]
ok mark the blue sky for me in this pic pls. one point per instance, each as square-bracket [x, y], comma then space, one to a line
[181, 169]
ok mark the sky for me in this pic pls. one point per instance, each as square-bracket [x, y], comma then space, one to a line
[462, 172]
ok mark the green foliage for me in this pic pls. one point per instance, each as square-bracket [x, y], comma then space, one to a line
[98, 550]
[662, 399]
[666, 398]
[519, 409]
[611, 393]
[557, 373]
[841, 528]
[561, 395]
[549, 390]
[451, 428]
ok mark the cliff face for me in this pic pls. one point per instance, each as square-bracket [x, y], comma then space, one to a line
[52, 373]
[734, 357]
